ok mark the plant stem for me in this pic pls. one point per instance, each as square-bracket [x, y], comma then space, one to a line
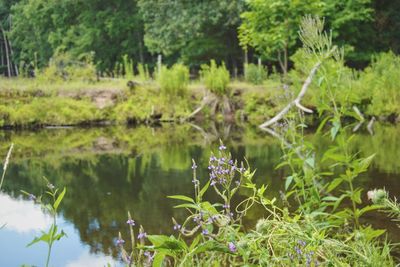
[354, 204]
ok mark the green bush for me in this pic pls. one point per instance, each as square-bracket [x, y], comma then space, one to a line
[174, 81]
[255, 74]
[380, 83]
[62, 67]
[216, 78]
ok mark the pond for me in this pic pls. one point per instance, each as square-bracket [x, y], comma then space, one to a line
[112, 170]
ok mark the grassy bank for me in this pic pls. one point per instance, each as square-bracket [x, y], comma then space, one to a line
[170, 96]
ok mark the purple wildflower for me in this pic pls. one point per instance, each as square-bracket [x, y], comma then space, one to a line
[32, 197]
[302, 243]
[177, 227]
[226, 206]
[213, 182]
[232, 247]
[222, 147]
[142, 235]
[205, 232]
[194, 166]
[298, 250]
[120, 242]
[130, 222]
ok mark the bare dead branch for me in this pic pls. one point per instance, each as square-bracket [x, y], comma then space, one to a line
[296, 101]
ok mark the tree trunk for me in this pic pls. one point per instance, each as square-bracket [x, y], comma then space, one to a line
[141, 57]
[11, 51]
[281, 64]
[285, 59]
[2, 63]
[12, 55]
[246, 63]
[7, 55]
[159, 64]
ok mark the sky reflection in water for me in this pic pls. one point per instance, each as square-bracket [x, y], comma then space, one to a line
[109, 171]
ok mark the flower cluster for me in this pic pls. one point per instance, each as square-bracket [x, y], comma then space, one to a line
[223, 170]
[302, 255]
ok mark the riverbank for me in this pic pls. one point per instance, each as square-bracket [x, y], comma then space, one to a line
[29, 103]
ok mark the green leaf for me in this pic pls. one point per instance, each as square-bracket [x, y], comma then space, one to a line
[158, 259]
[335, 129]
[45, 237]
[337, 203]
[188, 206]
[195, 242]
[311, 162]
[59, 198]
[335, 183]
[207, 206]
[167, 242]
[322, 124]
[181, 197]
[288, 181]
[371, 233]
[204, 189]
[330, 198]
[356, 197]
[369, 208]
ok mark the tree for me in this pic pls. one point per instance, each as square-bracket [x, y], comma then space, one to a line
[7, 64]
[109, 29]
[271, 26]
[194, 30]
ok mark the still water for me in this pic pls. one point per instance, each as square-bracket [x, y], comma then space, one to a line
[110, 171]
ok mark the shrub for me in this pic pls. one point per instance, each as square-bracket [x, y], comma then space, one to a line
[216, 78]
[380, 82]
[62, 67]
[255, 74]
[174, 81]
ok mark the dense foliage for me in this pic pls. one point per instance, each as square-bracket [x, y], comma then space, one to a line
[192, 31]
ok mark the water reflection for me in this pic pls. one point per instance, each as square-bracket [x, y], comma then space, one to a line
[14, 214]
[109, 171]
[22, 221]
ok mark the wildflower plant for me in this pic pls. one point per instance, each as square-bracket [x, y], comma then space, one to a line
[50, 203]
[320, 225]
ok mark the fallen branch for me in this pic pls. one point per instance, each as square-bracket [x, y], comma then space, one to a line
[206, 101]
[296, 101]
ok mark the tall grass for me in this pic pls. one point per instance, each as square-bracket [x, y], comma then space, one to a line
[216, 78]
[174, 81]
[128, 67]
[255, 74]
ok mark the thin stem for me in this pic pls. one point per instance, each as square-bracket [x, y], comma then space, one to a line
[353, 204]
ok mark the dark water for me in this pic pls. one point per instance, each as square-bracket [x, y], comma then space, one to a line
[110, 171]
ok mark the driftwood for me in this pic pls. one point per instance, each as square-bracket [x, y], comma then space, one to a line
[206, 101]
[296, 101]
